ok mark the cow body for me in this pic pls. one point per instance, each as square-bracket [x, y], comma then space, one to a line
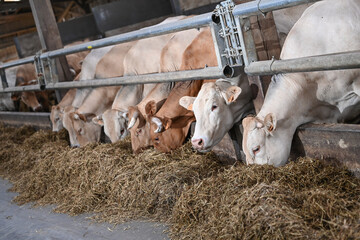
[294, 99]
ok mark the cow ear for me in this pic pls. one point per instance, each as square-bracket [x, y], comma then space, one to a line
[98, 120]
[167, 123]
[89, 117]
[150, 108]
[270, 123]
[231, 94]
[187, 102]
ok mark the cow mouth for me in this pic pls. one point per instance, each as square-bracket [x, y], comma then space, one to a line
[203, 150]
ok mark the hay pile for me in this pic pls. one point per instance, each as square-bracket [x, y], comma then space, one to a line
[199, 196]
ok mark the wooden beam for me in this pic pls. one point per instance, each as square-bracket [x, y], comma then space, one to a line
[66, 11]
[50, 37]
[337, 143]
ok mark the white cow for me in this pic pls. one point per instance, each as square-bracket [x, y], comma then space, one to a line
[217, 107]
[326, 27]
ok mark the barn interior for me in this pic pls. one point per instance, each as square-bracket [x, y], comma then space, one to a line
[152, 195]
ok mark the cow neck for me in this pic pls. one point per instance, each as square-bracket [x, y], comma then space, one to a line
[171, 107]
[286, 100]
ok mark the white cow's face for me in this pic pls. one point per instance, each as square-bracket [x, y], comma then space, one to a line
[213, 114]
[262, 144]
[56, 118]
[115, 124]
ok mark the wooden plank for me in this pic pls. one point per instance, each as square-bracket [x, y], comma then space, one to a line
[66, 11]
[122, 13]
[336, 143]
[50, 37]
[266, 42]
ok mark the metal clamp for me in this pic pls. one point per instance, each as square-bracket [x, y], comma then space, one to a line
[223, 16]
[39, 70]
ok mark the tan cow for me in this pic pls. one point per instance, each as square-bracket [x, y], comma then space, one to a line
[76, 97]
[170, 125]
[326, 27]
[82, 129]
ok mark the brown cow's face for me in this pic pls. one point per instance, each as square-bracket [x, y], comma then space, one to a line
[56, 118]
[30, 99]
[171, 133]
[84, 129]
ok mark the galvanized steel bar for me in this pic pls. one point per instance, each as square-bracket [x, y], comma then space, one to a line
[206, 73]
[189, 23]
[263, 6]
[26, 88]
[338, 61]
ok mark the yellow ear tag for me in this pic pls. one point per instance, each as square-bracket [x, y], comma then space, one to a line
[231, 99]
[190, 107]
[89, 47]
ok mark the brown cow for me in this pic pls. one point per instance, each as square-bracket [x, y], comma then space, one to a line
[170, 60]
[170, 125]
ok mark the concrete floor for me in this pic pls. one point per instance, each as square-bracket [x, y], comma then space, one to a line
[24, 222]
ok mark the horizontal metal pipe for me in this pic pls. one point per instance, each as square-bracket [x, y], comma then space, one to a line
[263, 6]
[206, 73]
[337, 61]
[189, 23]
[17, 62]
[27, 88]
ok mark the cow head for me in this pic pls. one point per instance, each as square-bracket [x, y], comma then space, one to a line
[115, 124]
[85, 130]
[214, 117]
[29, 98]
[139, 129]
[263, 143]
[167, 133]
[56, 116]
[68, 125]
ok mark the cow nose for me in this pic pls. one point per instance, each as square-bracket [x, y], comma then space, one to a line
[38, 108]
[198, 143]
[75, 145]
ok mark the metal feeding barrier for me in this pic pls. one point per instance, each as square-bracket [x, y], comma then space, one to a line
[233, 42]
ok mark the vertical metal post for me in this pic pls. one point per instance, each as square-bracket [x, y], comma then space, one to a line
[249, 53]
[4, 82]
[50, 37]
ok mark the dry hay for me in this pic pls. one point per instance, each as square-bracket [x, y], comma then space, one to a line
[199, 196]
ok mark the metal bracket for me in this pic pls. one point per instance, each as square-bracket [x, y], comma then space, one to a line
[226, 29]
[4, 82]
[39, 70]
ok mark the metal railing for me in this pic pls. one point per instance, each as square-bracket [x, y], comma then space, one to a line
[222, 36]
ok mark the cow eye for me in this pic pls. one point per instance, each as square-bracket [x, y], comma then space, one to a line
[57, 119]
[213, 107]
[80, 131]
[156, 139]
[256, 150]
[139, 131]
[122, 131]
